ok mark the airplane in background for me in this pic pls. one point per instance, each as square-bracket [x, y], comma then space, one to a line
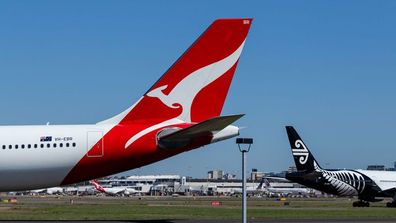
[180, 112]
[367, 185]
[113, 190]
[49, 191]
[265, 187]
[251, 190]
[283, 191]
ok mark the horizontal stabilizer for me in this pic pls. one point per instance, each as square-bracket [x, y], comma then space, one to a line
[389, 192]
[205, 128]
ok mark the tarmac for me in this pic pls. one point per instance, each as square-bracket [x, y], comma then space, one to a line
[96, 206]
[225, 221]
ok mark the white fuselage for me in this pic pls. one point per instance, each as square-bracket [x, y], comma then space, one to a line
[385, 180]
[34, 157]
[287, 190]
[45, 163]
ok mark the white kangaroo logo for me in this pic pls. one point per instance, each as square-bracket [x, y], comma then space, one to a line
[183, 94]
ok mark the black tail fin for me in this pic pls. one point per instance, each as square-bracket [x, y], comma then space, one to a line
[266, 183]
[302, 156]
[261, 185]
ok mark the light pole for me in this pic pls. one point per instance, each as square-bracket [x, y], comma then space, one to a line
[244, 149]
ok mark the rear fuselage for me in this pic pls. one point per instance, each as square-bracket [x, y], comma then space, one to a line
[33, 157]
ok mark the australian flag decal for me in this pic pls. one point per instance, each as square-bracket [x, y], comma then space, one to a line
[45, 138]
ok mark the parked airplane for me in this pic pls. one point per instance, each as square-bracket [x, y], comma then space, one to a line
[114, 190]
[368, 185]
[50, 191]
[180, 112]
[251, 190]
[283, 191]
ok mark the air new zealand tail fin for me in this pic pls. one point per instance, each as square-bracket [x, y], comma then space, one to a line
[302, 156]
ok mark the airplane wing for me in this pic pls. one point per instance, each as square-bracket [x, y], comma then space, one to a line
[38, 190]
[131, 191]
[118, 190]
[278, 178]
[203, 129]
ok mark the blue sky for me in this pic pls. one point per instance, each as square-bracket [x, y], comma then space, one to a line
[326, 67]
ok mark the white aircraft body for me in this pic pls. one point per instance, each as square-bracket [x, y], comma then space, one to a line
[250, 189]
[114, 190]
[284, 191]
[50, 191]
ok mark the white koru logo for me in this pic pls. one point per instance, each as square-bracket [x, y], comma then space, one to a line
[301, 151]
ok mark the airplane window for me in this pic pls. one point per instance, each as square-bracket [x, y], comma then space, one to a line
[42, 145]
[60, 144]
[4, 146]
[54, 145]
[48, 145]
[67, 144]
[35, 145]
[10, 146]
[16, 146]
[29, 146]
[74, 144]
[23, 146]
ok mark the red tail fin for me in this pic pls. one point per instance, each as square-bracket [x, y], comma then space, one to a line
[195, 87]
[97, 185]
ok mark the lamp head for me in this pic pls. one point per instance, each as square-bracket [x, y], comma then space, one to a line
[244, 141]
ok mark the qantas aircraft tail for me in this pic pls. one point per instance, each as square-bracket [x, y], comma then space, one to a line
[97, 186]
[302, 156]
[194, 88]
